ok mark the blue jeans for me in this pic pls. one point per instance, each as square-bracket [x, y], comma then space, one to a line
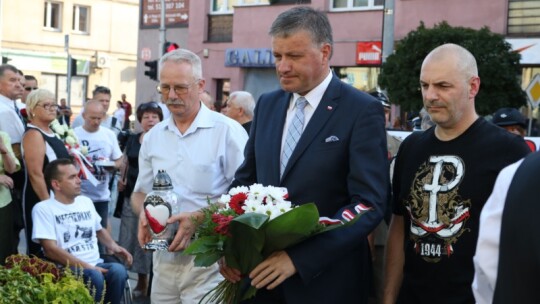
[115, 278]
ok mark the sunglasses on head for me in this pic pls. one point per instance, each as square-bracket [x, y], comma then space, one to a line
[30, 89]
[148, 105]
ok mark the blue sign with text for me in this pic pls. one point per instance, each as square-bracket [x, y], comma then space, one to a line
[260, 58]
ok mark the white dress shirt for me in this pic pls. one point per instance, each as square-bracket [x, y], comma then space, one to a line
[313, 99]
[486, 259]
[10, 122]
[164, 110]
[201, 162]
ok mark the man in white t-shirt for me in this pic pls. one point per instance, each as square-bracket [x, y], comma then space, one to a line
[103, 95]
[68, 227]
[104, 154]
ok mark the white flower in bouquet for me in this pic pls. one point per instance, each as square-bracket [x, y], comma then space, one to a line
[84, 150]
[70, 141]
[56, 127]
[273, 210]
[257, 190]
[283, 206]
[239, 189]
[225, 199]
[275, 194]
[64, 133]
[251, 206]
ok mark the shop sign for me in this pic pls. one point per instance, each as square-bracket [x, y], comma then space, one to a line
[176, 13]
[260, 58]
[369, 52]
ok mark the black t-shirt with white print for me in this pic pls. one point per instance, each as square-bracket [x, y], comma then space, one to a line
[440, 188]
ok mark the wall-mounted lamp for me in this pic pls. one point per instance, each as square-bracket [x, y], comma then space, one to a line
[205, 53]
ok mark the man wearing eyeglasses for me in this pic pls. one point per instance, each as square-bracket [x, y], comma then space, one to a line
[30, 84]
[200, 149]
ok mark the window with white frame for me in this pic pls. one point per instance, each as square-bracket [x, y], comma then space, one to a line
[53, 16]
[346, 5]
[81, 19]
[226, 6]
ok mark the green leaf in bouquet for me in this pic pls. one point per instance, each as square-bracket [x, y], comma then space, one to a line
[253, 220]
[207, 250]
[291, 228]
[205, 244]
[243, 249]
[207, 258]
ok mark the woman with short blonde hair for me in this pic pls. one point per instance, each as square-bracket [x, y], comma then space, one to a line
[40, 146]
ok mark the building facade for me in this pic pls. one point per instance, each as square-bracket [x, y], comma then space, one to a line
[231, 36]
[101, 35]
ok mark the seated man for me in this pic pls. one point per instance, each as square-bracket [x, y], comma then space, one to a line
[68, 227]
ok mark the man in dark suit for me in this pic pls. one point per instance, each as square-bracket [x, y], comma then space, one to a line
[519, 252]
[339, 162]
[507, 258]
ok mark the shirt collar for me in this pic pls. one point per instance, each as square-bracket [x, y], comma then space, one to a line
[315, 95]
[202, 120]
[6, 101]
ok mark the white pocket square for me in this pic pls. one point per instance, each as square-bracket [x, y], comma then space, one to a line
[331, 139]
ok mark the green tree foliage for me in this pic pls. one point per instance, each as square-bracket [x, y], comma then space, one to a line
[498, 67]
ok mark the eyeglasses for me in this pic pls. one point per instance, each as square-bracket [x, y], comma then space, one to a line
[148, 105]
[30, 89]
[48, 106]
[178, 89]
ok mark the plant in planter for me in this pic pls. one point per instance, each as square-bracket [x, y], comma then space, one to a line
[32, 280]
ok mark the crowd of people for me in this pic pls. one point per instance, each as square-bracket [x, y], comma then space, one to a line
[446, 204]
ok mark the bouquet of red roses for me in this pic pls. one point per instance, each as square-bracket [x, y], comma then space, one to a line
[247, 225]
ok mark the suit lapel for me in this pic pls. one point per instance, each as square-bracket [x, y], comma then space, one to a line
[324, 111]
[280, 114]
